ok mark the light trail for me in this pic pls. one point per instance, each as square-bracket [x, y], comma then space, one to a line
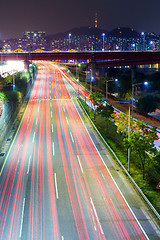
[33, 175]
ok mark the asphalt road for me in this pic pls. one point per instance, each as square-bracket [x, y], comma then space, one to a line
[58, 181]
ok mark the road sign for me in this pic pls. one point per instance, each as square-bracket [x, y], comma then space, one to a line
[158, 186]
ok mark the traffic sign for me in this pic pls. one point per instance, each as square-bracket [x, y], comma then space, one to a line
[158, 186]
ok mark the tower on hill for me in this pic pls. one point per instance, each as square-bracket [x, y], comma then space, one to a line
[95, 21]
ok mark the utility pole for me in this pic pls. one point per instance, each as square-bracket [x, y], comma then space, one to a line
[129, 150]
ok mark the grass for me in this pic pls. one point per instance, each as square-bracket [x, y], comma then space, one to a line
[149, 190]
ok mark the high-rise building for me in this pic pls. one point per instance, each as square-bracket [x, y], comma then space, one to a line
[34, 39]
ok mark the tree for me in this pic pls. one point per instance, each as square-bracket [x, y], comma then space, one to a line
[153, 170]
[147, 104]
[106, 112]
[21, 84]
[141, 138]
[142, 141]
[97, 99]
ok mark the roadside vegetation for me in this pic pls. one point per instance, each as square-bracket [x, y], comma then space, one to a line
[145, 159]
[13, 88]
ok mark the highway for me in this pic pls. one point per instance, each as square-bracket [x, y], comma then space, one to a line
[58, 181]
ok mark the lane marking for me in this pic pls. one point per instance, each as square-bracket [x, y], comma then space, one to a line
[52, 128]
[33, 137]
[61, 99]
[72, 137]
[51, 104]
[67, 120]
[51, 114]
[29, 164]
[62, 238]
[20, 232]
[80, 163]
[56, 187]
[53, 148]
[95, 212]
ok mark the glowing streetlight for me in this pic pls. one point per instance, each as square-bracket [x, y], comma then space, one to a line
[69, 35]
[111, 80]
[137, 84]
[152, 45]
[143, 35]
[133, 46]
[34, 36]
[103, 35]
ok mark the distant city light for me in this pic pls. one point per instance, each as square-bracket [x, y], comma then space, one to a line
[145, 83]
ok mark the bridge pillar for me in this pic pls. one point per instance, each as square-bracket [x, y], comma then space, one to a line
[93, 73]
[133, 73]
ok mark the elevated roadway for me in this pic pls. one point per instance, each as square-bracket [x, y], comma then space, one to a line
[108, 58]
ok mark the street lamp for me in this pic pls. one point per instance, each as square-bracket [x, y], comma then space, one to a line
[137, 84]
[69, 35]
[143, 35]
[133, 46]
[151, 45]
[13, 82]
[103, 35]
[107, 81]
[92, 80]
[129, 130]
[34, 36]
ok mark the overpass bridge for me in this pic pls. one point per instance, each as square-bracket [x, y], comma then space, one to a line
[100, 59]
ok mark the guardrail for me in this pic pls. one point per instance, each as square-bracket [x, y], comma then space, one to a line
[111, 150]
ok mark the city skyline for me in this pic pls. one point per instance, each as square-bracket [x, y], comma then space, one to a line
[62, 16]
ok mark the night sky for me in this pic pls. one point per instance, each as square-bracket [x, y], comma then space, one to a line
[17, 16]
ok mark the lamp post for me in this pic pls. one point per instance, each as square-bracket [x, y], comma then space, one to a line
[107, 81]
[69, 36]
[143, 35]
[103, 35]
[85, 87]
[129, 126]
[136, 84]
[34, 36]
[133, 47]
[151, 45]
[13, 82]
